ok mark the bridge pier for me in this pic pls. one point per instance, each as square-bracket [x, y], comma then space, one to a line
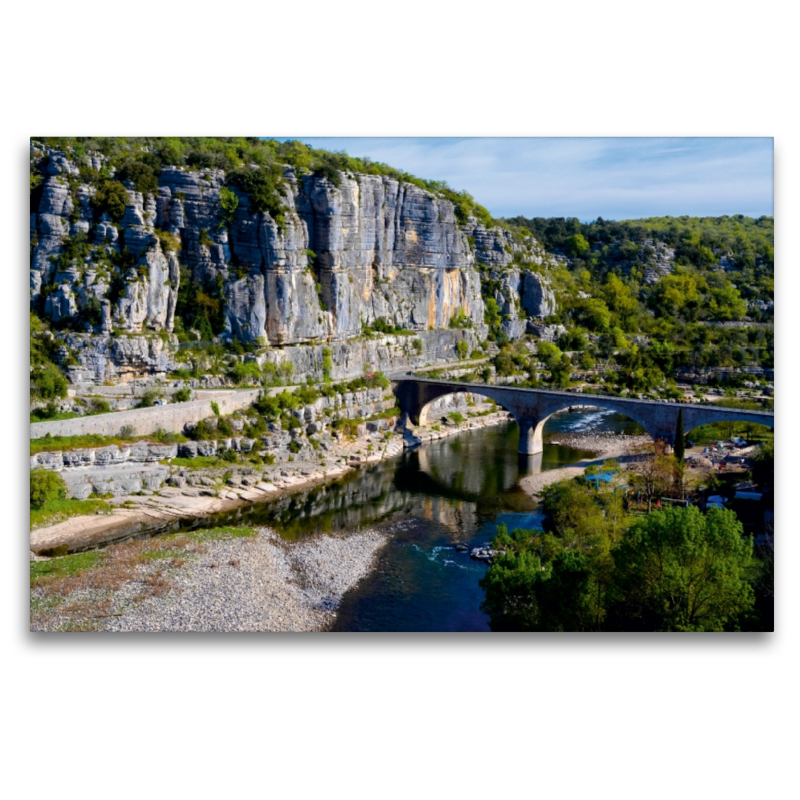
[530, 436]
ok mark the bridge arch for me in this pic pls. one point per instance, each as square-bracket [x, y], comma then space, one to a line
[535, 430]
[531, 408]
[425, 410]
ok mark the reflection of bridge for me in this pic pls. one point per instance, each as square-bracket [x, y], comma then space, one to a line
[533, 407]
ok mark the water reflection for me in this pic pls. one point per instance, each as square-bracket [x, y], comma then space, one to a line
[449, 491]
[457, 483]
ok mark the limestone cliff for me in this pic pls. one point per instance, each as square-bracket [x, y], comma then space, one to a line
[337, 257]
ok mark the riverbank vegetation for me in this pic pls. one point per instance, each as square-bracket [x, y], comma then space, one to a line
[49, 503]
[600, 565]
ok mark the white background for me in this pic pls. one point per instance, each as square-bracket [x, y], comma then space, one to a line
[87, 716]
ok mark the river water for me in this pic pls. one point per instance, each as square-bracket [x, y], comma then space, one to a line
[455, 490]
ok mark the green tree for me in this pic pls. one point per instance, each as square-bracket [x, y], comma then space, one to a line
[491, 314]
[46, 486]
[577, 245]
[680, 570]
[111, 197]
[48, 382]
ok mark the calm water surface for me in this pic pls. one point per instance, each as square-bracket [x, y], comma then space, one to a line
[446, 492]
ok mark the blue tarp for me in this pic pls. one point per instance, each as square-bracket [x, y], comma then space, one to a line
[606, 476]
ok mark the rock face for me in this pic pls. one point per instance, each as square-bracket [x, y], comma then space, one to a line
[338, 257]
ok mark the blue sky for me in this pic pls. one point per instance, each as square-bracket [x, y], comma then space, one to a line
[613, 178]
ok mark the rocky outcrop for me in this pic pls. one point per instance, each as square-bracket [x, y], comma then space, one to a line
[369, 251]
[337, 258]
[116, 358]
[133, 293]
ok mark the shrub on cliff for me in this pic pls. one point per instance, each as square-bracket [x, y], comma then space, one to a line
[47, 382]
[46, 486]
[263, 186]
[111, 197]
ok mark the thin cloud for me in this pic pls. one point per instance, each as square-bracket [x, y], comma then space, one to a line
[615, 178]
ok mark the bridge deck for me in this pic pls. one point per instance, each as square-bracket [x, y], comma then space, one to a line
[576, 398]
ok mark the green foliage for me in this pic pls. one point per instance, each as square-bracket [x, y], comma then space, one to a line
[678, 570]
[462, 348]
[491, 313]
[143, 176]
[263, 187]
[199, 462]
[327, 364]
[246, 372]
[594, 566]
[460, 319]
[63, 566]
[61, 509]
[456, 416]
[294, 446]
[47, 443]
[183, 395]
[46, 486]
[215, 408]
[111, 198]
[48, 382]
[383, 325]
[148, 399]
[416, 343]
[170, 243]
[229, 202]
[577, 245]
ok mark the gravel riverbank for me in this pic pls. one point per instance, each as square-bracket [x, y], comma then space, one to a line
[603, 445]
[256, 584]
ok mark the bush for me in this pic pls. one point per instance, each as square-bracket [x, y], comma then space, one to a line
[48, 382]
[215, 408]
[148, 399]
[456, 416]
[183, 395]
[111, 197]
[463, 348]
[127, 431]
[248, 371]
[46, 486]
[229, 202]
[294, 446]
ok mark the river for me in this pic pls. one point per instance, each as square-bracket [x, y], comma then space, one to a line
[454, 490]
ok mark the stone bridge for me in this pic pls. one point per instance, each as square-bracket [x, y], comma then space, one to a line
[533, 407]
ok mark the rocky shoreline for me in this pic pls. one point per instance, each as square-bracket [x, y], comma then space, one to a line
[260, 584]
[152, 510]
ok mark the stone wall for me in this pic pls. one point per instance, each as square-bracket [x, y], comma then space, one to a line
[147, 420]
